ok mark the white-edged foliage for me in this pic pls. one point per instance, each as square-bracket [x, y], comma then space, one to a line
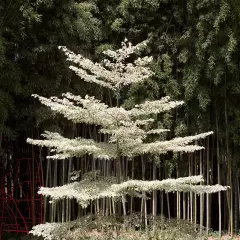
[127, 130]
[114, 73]
[88, 189]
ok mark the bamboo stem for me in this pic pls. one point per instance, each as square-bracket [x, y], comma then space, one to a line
[201, 197]
[219, 182]
[207, 203]
[154, 199]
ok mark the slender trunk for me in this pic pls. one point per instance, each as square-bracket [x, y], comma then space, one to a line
[107, 199]
[238, 197]
[124, 177]
[144, 202]
[118, 175]
[113, 207]
[178, 197]
[131, 206]
[184, 205]
[118, 166]
[68, 208]
[195, 195]
[154, 199]
[161, 201]
[41, 166]
[219, 182]
[191, 194]
[230, 192]
[104, 199]
[236, 203]
[42, 183]
[212, 174]
[145, 212]
[45, 198]
[54, 184]
[208, 213]
[63, 182]
[33, 187]
[142, 209]
[168, 206]
[201, 196]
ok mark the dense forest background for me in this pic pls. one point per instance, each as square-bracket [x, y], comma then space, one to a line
[195, 45]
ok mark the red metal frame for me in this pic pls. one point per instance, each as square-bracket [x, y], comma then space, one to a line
[20, 205]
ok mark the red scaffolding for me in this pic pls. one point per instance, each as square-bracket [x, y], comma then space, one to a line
[20, 205]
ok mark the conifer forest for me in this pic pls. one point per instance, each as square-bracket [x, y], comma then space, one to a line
[119, 119]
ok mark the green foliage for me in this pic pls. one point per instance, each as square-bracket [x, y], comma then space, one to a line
[30, 61]
[117, 25]
[103, 47]
[29, 13]
[196, 47]
[104, 228]
[173, 229]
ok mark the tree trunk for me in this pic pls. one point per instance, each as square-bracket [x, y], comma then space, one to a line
[201, 196]
[219, 181]
[63, 200]
[154, 199]
[236, 204]
[229, 163]
[144, 202]
[118, 175]
[178, 198]
[207, 204]
[131, 206]
[195, 195]
[33, 188]
[191, 194]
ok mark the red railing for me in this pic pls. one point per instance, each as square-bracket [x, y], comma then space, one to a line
[20, 205]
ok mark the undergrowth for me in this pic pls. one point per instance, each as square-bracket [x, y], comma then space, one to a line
[128, 228]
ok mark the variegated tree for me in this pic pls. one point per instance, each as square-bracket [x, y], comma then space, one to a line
[127, 130]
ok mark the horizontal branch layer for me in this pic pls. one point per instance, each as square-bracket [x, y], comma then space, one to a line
[85, 190]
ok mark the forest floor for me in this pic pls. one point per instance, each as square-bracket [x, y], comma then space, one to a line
[135, 235]
[225, 237]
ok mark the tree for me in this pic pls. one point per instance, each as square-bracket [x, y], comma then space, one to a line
[128, 132]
